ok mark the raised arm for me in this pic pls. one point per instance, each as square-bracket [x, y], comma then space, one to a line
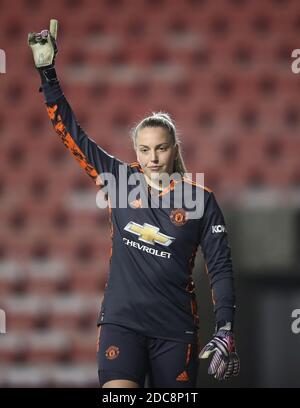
[87, 153]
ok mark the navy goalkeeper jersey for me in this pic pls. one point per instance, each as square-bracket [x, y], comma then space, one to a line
[150, 286]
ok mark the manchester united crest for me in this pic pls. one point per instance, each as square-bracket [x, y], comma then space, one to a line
[178, 216]
[112, 352]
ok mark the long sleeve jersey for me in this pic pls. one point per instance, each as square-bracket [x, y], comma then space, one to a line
[150, 287]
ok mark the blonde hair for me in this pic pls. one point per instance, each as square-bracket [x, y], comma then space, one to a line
[162, 119]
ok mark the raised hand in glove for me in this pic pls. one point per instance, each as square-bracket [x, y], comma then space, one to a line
[44, 49]
[225, 361]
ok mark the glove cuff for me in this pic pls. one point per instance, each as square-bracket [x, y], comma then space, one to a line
[48, 75]
[224, 325]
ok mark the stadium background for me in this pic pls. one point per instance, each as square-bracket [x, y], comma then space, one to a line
[222, 69]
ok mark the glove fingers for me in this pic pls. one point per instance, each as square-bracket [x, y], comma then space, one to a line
[233, 366]
[236, 364]
[215, 363]
[53, 28]
[31, 39]
[225, 361]
[229, 370]
[220, 374]
[43, 46]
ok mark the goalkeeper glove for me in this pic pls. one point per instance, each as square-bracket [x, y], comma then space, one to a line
[225, 361]
[44, 49]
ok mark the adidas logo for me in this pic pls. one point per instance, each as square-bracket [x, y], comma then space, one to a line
[183, 376]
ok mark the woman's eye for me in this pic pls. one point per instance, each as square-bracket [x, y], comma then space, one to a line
[162, 149]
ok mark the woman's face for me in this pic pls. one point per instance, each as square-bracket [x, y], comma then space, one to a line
[155, 151]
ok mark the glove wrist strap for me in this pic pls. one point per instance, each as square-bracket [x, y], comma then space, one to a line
[224, 325]
[48, 76]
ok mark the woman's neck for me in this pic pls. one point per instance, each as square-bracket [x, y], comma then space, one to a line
[158, 185]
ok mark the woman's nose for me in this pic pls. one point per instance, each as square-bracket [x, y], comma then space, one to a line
[153, 156]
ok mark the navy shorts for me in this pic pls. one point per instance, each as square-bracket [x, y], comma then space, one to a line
[123, 354]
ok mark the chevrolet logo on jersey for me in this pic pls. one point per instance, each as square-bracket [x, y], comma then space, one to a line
[148, 233]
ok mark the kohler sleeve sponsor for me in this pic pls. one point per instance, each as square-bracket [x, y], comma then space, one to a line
[216, 229]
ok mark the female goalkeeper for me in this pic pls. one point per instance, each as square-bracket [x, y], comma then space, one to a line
[148, 320]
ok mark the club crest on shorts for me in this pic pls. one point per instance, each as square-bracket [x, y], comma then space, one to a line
[112, 352]
[178, 217]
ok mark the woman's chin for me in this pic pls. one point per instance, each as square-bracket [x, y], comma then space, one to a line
[154, 175]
